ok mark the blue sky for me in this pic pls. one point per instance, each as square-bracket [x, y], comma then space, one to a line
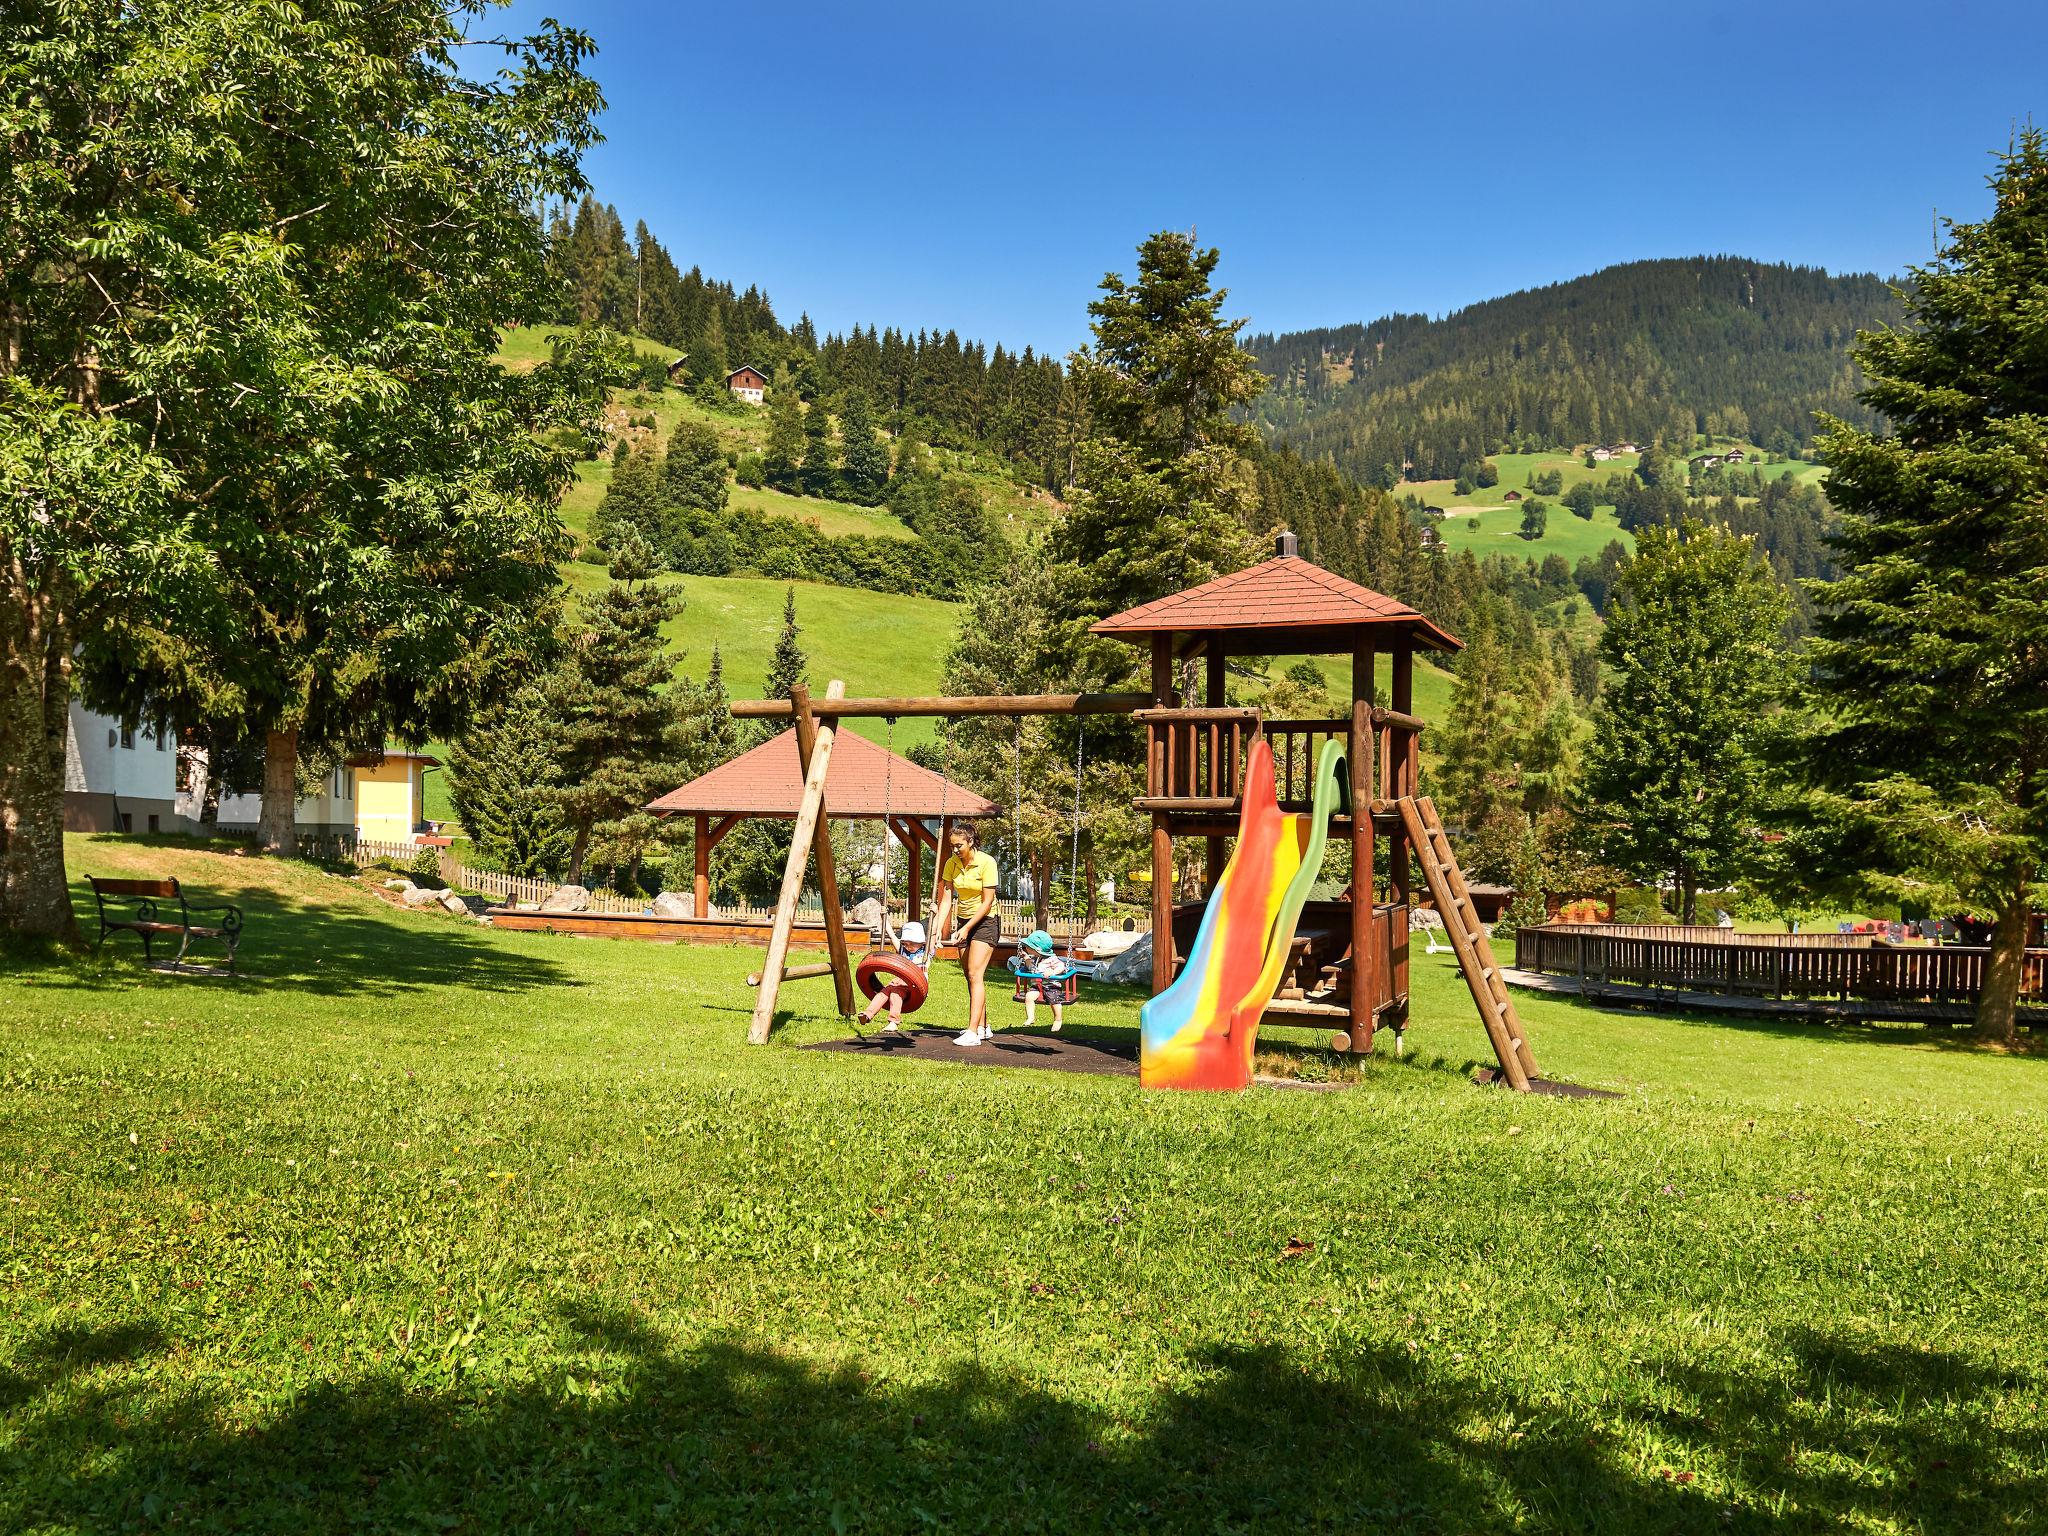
[979, 167]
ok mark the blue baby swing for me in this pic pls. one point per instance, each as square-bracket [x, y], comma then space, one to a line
[1063, 985]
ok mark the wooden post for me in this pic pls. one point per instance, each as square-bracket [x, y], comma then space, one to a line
[703, 862]
[1365, 964]
[913, 842]
[809, 731]
[815, 748]
[1219, 777]
[1398, 860]
[1162, 833]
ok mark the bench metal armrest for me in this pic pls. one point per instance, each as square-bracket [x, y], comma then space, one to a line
[231, 921]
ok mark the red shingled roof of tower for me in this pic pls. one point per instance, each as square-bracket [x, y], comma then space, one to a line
[766, 781]
[1286, 593]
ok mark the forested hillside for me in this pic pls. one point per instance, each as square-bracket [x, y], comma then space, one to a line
[1652, 350]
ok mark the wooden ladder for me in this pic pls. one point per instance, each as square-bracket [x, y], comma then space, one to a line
[1475, 956]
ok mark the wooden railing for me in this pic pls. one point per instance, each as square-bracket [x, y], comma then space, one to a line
[1817, 968]
[1194, 758]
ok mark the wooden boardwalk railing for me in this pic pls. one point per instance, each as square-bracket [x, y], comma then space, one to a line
[1819, 973]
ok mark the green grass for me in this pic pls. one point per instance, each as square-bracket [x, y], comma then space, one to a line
[836, 518]
[422, 1226]
[881, 644]
[1498, 531]
[521, 347]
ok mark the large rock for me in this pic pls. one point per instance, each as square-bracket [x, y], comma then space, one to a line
[1420, 918]
[1109, 942]
[1134, 965]
[675, 904]
[567, 898]
[455, 903]
[400, 886]
[418, 896]
[868, 914]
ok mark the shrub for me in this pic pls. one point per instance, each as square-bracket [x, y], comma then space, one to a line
[426, 866]
[750, 470]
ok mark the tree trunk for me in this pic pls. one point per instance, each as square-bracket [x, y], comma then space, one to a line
[1094, 890]
[577, 850]
[1041, 888]
[277, 824]
[35, 895]
[1998, 1003]
[1688, 896]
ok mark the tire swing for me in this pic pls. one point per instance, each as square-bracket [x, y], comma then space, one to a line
[881, 966]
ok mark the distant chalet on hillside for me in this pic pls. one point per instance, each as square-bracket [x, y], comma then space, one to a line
[678, 375]
[1512, 496]
[749, 383]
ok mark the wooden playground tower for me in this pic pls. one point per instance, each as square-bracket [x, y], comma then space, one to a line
[1349, 967]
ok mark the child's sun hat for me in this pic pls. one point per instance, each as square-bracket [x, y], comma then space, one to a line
[913, 932]
[1039, 942]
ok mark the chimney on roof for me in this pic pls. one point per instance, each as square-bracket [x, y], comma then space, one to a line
[1286, 545]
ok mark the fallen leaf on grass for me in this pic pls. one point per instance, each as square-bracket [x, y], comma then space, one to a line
[1296, 1248]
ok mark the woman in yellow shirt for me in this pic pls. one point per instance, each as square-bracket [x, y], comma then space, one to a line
[967, 892]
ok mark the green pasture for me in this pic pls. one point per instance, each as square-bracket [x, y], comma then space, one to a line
[419, 1226]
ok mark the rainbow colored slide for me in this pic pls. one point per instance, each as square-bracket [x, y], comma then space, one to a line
[1199, 1032]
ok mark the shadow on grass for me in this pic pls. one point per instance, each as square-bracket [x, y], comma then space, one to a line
[1826, 1031]
[310, 946]
[628, 1435]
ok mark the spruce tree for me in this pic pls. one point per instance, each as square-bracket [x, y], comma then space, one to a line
[1694, 645]
[693, 469]
[821, 452]
[1166, 491]
[785, 437]
[623, 727]
[632, 506]
[504, 778]
[867, 457]
[789, 665]
[1931, 672]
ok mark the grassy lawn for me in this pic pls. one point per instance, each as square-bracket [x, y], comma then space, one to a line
[1498, 531]
[835, 518]
[426, 1227]
[881, 644]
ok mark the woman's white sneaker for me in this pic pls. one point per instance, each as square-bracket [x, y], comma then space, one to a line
[965, 1038]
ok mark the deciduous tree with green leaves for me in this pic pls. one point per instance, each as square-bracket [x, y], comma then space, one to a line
[693, 468]
[1694, 647]
[1931, 649]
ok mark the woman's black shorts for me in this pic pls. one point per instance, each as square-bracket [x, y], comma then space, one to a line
[988, 931]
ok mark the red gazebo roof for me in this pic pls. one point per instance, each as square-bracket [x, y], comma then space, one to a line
[1279, 607]
[767, 781]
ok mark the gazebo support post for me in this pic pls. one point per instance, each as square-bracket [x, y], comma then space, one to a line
[702, 843]
[814, 746]
[1162, 831]
[1212, 847]
[1365, 968]
[1399, 864]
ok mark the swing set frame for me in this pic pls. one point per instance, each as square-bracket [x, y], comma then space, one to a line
[816, 730]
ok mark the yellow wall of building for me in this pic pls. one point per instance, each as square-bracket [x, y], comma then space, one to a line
[385, 800]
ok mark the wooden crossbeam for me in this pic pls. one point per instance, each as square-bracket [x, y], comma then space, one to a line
[949, 707]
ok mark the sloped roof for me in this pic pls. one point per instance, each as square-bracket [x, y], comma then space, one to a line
[767, 781]
[1284, 604]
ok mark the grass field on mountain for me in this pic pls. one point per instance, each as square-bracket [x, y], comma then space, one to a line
[1498, 531]
[422, 1226]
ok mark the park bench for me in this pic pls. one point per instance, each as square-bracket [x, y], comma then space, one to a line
[153, 909]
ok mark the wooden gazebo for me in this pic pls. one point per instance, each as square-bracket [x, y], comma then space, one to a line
[864, 782]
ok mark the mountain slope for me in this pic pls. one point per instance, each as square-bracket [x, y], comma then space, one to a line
[1647, 350]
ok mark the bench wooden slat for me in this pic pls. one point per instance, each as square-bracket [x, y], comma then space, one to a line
[154, 888]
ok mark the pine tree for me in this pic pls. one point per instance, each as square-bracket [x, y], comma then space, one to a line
[1931, 674]
[504, 778]
[623, 728]
[1167, 492]
[821, 451]
[785, 436]
[633, 506]
[867, 457]
[693, 469]
[789, 665]
[1694, 644]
